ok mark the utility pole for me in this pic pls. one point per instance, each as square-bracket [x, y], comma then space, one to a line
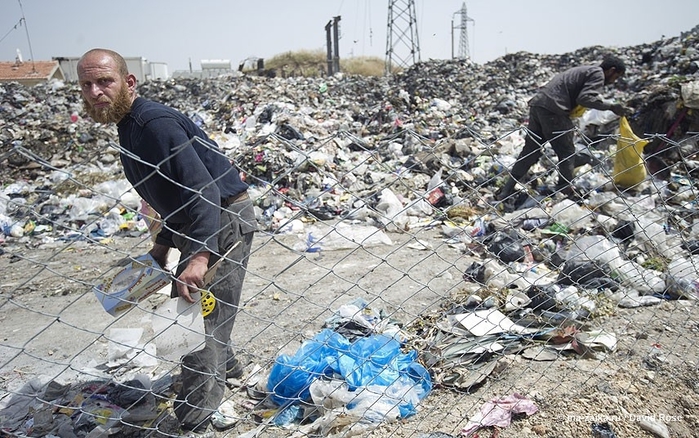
[464, 52]
[402, 44]
[329, 45]
[336, 39]
[29, 40]
[333, 45]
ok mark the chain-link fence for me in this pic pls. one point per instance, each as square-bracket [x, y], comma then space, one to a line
[387, 294]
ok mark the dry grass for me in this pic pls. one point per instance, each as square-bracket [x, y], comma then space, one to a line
[314, 63]
[363, 66]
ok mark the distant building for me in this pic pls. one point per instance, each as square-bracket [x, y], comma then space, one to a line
[30, 73]
[158, 70]
[138, 66]
[210, 68]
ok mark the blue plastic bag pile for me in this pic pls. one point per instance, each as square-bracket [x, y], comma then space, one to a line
[373, 362]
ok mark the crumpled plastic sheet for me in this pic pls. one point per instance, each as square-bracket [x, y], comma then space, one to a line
[499, 411]
[374, 368]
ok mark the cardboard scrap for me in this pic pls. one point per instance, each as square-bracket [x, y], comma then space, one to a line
[133, 284]
[488, 322]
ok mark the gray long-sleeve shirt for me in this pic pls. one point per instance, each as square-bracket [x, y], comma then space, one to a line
[581, 85]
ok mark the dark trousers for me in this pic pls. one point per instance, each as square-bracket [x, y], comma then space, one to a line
[204, 371]
[557, 130]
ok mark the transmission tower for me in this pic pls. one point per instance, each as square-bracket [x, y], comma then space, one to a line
[464, 52]
[402, 45]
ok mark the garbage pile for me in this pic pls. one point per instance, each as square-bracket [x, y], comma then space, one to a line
[94, 408]
[306, 143]
[351, 377]
[424, 148]
[369, 380]
[544, 274]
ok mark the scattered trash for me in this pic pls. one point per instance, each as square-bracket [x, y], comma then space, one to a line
[498, 412]
[488, 322]
[435, 435]
[341, 236]
[369, 377]
[180, 326]
[602, 430]
[125, 346]
[340, 176]
[94, 408]
[541, 353]
[226, 416]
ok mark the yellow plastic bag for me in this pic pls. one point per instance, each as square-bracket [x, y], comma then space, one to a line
[629, 168]
[578, 111]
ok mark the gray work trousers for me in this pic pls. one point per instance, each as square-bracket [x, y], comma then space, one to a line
[556, 129]
[204, 371]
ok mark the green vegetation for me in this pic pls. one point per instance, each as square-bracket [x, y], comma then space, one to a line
[658, 263]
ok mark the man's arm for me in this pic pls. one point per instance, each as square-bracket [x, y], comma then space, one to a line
[159, 252]
[590, 95]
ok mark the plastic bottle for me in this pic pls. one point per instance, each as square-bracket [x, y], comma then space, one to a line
[287, 415]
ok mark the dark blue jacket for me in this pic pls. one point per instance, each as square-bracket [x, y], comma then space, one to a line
[178, 170]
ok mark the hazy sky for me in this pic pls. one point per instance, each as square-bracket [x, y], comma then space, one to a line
[180, 32]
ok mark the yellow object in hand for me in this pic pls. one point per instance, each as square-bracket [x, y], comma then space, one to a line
[208, 303]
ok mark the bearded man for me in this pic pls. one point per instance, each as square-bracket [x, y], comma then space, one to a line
[205, 209]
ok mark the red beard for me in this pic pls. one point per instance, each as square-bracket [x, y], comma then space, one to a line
[119, 107]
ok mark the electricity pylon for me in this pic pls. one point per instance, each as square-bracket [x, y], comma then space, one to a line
[464, 52]
[402, 43]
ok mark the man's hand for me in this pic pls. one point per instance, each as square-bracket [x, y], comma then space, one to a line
[191, 279]
[159, 253]
[620, 110]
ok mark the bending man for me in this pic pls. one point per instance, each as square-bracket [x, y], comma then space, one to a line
[550, 119]
[182, 174]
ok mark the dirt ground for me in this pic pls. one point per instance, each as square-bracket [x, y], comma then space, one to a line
[54, 327]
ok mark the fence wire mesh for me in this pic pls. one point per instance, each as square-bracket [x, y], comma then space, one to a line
[563, 318]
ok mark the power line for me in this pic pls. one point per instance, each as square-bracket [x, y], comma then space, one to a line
[29, 41]
[19, 23]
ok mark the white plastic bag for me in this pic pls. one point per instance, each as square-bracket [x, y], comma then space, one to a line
[179, 327]
[394, 216]
[341, 236]
[682, 277]
[570, 214]
[690, 94]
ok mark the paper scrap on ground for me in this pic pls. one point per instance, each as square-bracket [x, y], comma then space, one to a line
[499, 411]
[489, 322]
